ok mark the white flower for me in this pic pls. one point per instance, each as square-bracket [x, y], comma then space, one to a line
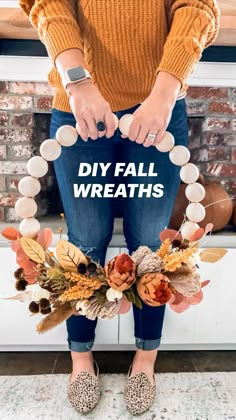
[112, 295]
[40, 293]
[194, 259]
[81, 307]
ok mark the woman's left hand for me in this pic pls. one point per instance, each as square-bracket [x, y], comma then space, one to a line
[154, 114]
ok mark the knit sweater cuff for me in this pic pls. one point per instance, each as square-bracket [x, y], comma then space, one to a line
[178, 61]
[58, 36]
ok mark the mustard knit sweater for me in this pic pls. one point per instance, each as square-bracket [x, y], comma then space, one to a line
[125, 42]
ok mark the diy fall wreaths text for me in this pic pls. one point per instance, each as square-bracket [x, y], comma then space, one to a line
[130, 171]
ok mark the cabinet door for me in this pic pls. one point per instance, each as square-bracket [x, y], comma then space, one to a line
[17, 327]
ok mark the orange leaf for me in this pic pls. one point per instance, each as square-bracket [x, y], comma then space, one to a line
[208, 228]
[212, 255]
[197, 235]
[195, 299]
[10, 233]
[170, 234]
[45, 238]
[205, 283]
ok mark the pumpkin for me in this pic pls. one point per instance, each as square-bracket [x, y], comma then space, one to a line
[218, 213]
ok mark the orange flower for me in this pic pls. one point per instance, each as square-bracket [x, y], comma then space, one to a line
[154, 289]
[120, 272]
[174, 261]
[164, 249]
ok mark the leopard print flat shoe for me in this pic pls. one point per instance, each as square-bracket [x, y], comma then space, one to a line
[84, 392]
[139, 392]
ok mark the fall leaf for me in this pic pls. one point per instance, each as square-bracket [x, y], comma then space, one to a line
[33, 250]
[197, 235]
[69, 256]
[170, 234]
[10, 233]
[212, 255]
[45, 238]
[208, 228]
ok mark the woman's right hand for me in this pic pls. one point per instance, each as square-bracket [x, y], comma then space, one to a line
[89, 107]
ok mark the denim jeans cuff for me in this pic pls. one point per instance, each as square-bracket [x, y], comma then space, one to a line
[80, 346]
[147, 344]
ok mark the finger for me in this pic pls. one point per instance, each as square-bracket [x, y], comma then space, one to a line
[142, 135]
[110, 124]
[159, 136]
[92, 129]
[82, 129]
[147, 142]
[134, 130]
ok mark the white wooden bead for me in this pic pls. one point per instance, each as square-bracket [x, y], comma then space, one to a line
[189, 173]
[25, 207]
[167, 142]
[50, 150]
[67, 135]
[37, 166]
[179, 155]
[29, 186]
[29, 227]
[116, 121]
[188, 228]
[125, 123]
[195, 192]
[195, 212]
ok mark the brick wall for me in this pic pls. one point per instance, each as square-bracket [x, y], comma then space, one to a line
[24, 124]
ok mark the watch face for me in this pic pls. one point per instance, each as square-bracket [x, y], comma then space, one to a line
[76, 73]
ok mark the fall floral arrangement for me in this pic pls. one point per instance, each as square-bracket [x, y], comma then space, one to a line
[58, 286]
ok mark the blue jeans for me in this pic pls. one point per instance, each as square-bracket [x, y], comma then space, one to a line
[90, 220]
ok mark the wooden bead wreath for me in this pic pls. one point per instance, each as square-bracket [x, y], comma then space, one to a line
[66, 135]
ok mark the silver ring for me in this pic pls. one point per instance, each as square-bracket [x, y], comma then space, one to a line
[151, 137]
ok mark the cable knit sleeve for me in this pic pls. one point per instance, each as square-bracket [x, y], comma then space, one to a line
[194, 25]
[56, 21]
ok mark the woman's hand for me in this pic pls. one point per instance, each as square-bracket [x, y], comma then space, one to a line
[154, 114]
[89, 107]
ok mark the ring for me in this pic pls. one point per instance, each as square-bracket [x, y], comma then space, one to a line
[151, 137]
[100, 126]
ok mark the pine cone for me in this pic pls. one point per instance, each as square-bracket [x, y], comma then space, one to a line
[120, 272]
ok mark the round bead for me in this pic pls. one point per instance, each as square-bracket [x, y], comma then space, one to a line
[167, 142]
[25, 207]
[50, 150]
[113, 295]
[116, 121]
[195, 192]
[125, 123]
[29, 186]
[195, 212]
[188, 228]
[189, 173]
[179, 155]
[29, 227]
[67, 135]
[37, 166]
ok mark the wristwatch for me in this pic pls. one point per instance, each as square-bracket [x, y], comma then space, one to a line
[75, 75]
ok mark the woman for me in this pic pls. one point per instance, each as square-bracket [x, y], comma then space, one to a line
[124, 57]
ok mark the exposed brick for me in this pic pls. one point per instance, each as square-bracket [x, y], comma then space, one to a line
[234, 125]
[3, 151]
[234, 153]
[221, 107]
[216, 123]
[15, 102]
[12, 182]
[233, 187]
[21, 120]
[2, 184]
[213, 139]
[8, 199]
[11, 168]
[2, 216]
[219, 153]
[11, 135]
[3, 119]
[222, 169]
[199, 155]
[20, 151]
[197, 108]
[44, 103]
[229, 140]
[3, 87]
[30, 88]
[207, 93]
[11, 216]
